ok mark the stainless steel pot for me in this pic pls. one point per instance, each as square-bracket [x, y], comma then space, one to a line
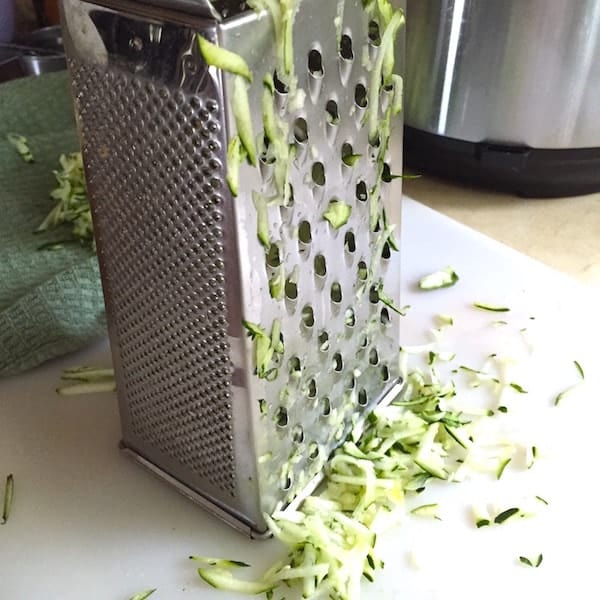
[519, 74]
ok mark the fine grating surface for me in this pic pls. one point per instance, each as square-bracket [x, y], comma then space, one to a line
[163, 261]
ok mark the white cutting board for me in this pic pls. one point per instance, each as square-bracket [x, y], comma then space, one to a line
[88, 524]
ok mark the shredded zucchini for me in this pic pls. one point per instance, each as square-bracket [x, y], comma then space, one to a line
[21, 145]
[71, 201]
[490, 307]
[440, 279]
[143, 595]
[223, 59]
[243, 118]
[337, 213]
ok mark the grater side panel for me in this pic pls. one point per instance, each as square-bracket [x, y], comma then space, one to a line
[150, 116]
[341, 345]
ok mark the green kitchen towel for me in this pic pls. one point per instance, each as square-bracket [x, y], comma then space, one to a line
[50, 300]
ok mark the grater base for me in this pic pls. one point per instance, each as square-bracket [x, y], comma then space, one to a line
[209, 504]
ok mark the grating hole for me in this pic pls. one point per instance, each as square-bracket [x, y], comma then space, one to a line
[386, 174]
[336, 293]
[373, 295]
[313, 451]
[363, 271]
[386, 253]
[312, 389]
[360, 95]
[374, 34]
[318, 173]
[385, 373]
[326, 406]
[338, 362]
[350, 317]
[273, 257]
[351, 383]
[350, 242]
[300, 130]
[384, 316]
[374, 356]
[363, 341]
[361, 191]
[323, 341]
[308, 316]
[363, 399]
[281, 87]
[295, 367]
[315, 63]
[281, 417]
[348, 156]
[346, 51]
[286, 479]
[291, 289]
[320, 265]
[298, 434]
[333, 115]
[304, 232]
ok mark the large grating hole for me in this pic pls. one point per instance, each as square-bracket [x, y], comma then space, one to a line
[308, 316]
[350, 242]
[295, 367]
[348, 156]
[386, 173]
[318, 173]
[297, 434]
[326, 406]
[360, 96]
[373, 356]
[384, 317]
[300, 130]
[273, 257]
[363, 271]
[280, 87]
[384, 373]
[337, 363]
[333, 115]
[346, 51]
[374, 33]
[291, 289]
[304, 232]
[336, 293]
[311, 389]
[351, 382]
[363, 398]
[373, 295]
[386, 252]
[313, 451]
[320, 265]
[362, 194]
[315, 63]
[323, 341]
[350, 317]
[281, 417]
[286, 479]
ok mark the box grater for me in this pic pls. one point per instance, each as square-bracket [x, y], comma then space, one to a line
[191, 287]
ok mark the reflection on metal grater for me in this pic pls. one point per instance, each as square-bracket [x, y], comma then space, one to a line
[238, 166]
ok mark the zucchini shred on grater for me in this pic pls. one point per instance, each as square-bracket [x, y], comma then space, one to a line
[237, 164]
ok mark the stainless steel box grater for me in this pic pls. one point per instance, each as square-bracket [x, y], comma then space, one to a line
[182, 264]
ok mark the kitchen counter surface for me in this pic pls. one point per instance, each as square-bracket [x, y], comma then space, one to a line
[563, 233]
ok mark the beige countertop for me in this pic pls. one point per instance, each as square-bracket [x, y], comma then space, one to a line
[563, 233]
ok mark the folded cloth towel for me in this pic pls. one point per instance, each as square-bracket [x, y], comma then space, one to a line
[50, 300]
